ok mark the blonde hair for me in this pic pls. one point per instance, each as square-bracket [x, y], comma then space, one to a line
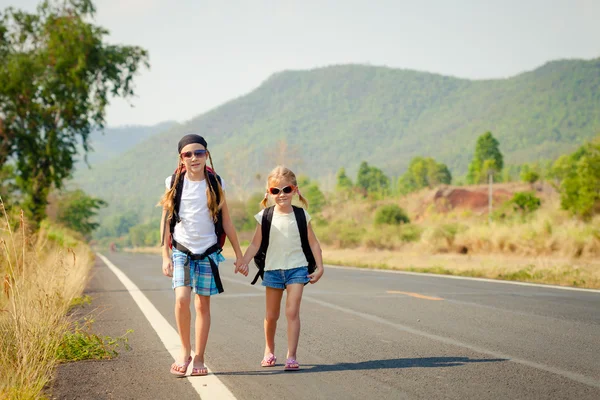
[278, 174]
[167, 201]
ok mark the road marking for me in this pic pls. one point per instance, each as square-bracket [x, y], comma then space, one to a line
[208, 387]
[586, 380]
[417, 295]
[466, 278]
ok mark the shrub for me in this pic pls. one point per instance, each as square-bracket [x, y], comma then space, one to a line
[391, 214]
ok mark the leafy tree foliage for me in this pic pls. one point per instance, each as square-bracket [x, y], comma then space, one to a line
[391, 214]
[343, 181]
[56, 76]
[487, 159]
[424, 172]
[578, 180]
[76, 210]
[371, 179]
[310, 191]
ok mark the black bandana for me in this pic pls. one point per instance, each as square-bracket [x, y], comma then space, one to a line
[189, 139]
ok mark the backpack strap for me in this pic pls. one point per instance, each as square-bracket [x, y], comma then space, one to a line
[303, 228]
[261, 255]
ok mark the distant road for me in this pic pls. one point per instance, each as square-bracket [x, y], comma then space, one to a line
[374, 334]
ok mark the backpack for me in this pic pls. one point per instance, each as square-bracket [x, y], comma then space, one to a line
[261, 255]
[212, 179]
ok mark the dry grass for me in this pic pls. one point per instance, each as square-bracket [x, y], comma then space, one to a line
[549, 270]
[547, 232]
[41, 274]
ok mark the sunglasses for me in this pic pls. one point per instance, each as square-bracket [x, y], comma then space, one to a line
[197, 153]
[287, 190]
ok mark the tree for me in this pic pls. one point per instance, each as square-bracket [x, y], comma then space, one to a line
[77, 209]
[371, 179]
[529, 174]
[578, 180]
[311, 192]
[438, 174]
[56, 76]
[343, 182]
[424, 172]
[487, 159]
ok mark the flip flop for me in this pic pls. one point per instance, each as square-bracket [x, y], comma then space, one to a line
[202, 371]
[176, 367]
[269, 360]
[291, 365]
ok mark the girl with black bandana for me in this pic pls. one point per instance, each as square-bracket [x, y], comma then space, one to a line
[195, 210]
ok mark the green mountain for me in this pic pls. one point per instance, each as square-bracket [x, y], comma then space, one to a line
[113, 141]
[341, 115]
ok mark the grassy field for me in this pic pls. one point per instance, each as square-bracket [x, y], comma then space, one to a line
[42, 275]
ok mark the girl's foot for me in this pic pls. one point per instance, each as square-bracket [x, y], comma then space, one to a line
[199, 369]
[269, 360]
[180, 369]
[291, 365]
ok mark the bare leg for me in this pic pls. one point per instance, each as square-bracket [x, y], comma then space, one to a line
[183, 317]
[202, 304]
[273, 306]
[292, 313]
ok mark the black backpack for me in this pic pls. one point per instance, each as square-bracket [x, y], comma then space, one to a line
[212, 179]
[261, 255]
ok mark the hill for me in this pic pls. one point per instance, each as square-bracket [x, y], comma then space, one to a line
[337, 116]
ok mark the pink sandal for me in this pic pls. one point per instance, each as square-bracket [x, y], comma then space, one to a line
[269, 360]
[202, 371]
[180, 369]
[291, 365]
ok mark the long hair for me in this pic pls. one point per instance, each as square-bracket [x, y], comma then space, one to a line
[167, 200]
[213, 207]
[278, 174]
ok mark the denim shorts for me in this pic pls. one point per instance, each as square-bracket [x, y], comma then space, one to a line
[280, 278]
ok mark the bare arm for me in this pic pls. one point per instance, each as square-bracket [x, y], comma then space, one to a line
[230, 230]
[315, 247]
[167, 266]
[254, 246]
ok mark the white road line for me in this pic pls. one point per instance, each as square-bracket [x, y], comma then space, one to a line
[586, 380]
[468, 278]
[208, 387]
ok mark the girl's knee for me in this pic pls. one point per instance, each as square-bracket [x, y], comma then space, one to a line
[182, 302]
[202, 305]
[203, 309]
[272, 316]
[292, 313]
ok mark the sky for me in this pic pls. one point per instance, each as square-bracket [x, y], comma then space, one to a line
[204, 53]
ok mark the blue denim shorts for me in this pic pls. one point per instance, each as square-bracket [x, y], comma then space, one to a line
[280, 278]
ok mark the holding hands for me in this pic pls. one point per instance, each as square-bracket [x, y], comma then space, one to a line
[241, 266]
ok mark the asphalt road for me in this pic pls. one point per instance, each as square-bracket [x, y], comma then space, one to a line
[365, 334]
